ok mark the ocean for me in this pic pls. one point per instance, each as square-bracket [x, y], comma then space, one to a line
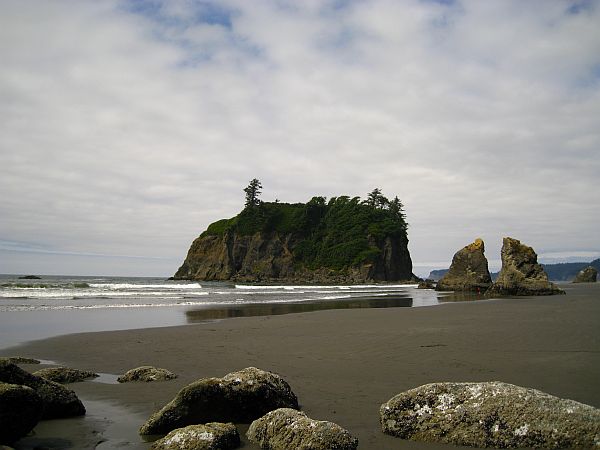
[55, 305]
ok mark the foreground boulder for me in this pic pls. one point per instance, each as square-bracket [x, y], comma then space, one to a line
[20, 410]
[491, 414]
[65, 375]
[212, 436]
[58, 401]
[468, 271]
[587, 275]
[286, 428]
[238, 397]
[147, 374]
[521, 274]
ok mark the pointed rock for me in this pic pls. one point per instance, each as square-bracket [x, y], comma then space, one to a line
[521, 274]
[469, 270]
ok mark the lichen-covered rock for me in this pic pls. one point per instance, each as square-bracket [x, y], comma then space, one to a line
[58, 401]
[521, 274]
[587, 275]
[147, 374]
[287, 428]
[491, 414]
[64, 375]
[20, 410]
[468, 271]
[238, 397]
[19, 360]
[212, 436]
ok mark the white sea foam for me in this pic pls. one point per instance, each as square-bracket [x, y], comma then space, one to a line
[339, 287]
[145, 286]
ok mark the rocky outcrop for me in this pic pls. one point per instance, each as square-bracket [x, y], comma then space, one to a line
[286, 428]
[521, 274]
[426, 284]
[270, 257]
[238, 397]
[147, 374]
[491, 414]
[58, 401]
[65, 375]
[468, 271]
[20, 410]
[212, 436]
[587, 275]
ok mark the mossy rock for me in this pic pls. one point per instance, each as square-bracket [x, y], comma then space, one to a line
[490, 414]
[146, 374]
[65, 375]
[20, 409]
[238, 397]
[211, 436]
[19, 360]
[58, 401]
[286, 428]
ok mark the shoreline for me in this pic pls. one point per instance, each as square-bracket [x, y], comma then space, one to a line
[343, 364]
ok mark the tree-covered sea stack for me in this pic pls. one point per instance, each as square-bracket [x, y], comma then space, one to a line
[342, 239]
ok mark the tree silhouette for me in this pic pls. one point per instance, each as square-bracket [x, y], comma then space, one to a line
[253, 191]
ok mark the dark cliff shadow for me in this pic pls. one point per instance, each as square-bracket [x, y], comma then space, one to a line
[274, 309]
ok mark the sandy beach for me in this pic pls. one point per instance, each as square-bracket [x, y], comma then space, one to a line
[343, 364]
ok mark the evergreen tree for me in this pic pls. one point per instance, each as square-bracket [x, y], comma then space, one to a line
[376, 199]
[397, 209]
[253, 191]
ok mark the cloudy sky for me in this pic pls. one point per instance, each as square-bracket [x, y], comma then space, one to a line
[126, 127]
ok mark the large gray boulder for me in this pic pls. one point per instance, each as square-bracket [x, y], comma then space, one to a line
[64, 375]
[587, 275]
[521, 274]
[58, 401]
[491, 414]
[287, 428]
[238, 397]
[212, 436]
[146, 374]
[468, 271]
[20, 410]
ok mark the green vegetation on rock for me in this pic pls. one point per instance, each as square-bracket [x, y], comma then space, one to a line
[335, 234]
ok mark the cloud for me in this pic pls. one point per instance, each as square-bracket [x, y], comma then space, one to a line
[127, 127]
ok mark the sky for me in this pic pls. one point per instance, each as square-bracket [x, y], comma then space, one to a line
[126, 127]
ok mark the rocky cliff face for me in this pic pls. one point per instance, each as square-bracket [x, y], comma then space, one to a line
[263, 257]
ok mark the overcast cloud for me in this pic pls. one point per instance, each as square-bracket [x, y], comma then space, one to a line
[126, 127]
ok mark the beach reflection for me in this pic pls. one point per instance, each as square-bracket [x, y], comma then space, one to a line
[273, 309]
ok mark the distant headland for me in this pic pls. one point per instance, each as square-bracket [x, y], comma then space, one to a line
[340, 240]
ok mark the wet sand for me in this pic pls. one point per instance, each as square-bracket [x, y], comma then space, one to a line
[343, 364]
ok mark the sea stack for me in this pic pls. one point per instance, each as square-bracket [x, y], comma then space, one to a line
[521, 274]
[469, 270]
[587, 275]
